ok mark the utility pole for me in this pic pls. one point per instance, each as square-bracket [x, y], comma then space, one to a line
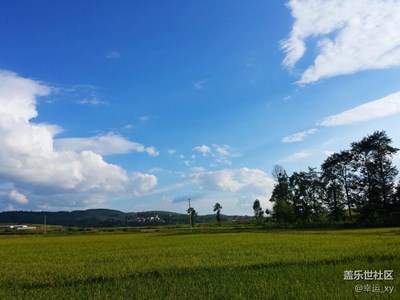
[44, 224]
[190, 216]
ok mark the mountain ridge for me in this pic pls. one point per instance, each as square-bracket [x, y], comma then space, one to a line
[103, 217]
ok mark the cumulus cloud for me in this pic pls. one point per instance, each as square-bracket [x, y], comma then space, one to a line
[351, 36]
[17, 197]
[222, 150]
[203, 149]
[143, 183]
[386, 106]
[232, 180]
[54, 129]
[298, 136]
[30, 162]
[219, 155]
[151, 151]
[18, 96]
[108, 144]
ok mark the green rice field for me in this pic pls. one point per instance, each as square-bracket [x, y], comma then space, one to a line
[205, 264]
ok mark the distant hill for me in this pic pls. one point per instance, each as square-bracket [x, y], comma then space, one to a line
[106, 218]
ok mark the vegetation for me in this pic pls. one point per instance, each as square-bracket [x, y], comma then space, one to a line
[175, 265]
[218, 208]
[106, 218]
[193, 214]
[258, 211]
[356, 185]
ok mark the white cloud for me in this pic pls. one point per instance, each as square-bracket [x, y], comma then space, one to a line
[295, 156]
[203, 149]
[222, 150]
[113, 55]
[144, 183]
[231, 180]
[17, 197]
[18, 96]
[110, 143]
[351, 36]
[219, 155]
[31, 163]
[298, 136]
[380, 108]
[152, 151]
[54, 129]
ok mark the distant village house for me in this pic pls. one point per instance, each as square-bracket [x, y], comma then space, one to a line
[18, 227]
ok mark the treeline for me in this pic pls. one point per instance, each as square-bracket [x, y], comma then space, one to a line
[353, 186]
[102, 218]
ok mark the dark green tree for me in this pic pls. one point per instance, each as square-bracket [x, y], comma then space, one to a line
[217, 208]
[307, 196]
[192, 212]
[397, 194]
[373, 162]
[396, 201]
[338, 178]
[258, 211]
[283, 211]
[281, 188]
[267, 212]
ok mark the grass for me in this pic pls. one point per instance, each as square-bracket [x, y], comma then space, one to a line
[172, 264]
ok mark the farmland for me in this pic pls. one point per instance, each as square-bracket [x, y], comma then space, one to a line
[212, 264]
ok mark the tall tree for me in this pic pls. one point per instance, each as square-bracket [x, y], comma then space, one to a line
[338, 177]
[258, 211]
[281, 187]
[217, 208]
[396, 199]
[192, 212]
[281, 196]
[334, 196]
[373, 160]
[307, 195]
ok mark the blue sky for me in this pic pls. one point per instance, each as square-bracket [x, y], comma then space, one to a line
[138, 105]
